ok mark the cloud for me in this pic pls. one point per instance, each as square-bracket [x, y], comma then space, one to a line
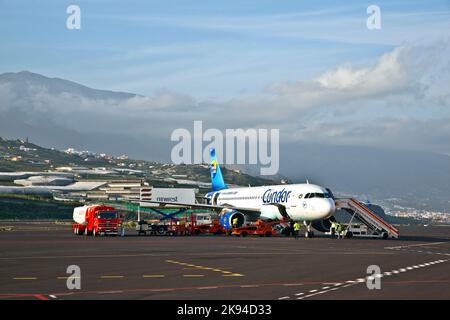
[345, 24]
[400, 100]
[391, 74]
[6, 96]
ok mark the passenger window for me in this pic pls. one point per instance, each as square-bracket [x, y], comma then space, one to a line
[300, 195]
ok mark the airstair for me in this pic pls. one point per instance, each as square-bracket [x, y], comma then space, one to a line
[376, 226]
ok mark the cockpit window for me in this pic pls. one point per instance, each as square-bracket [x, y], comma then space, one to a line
[317, 195]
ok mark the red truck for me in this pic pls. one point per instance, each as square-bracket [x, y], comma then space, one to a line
[260, 228]
[213, 228]
[97, 220]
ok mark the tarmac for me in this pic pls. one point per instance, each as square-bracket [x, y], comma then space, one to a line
[34, 258]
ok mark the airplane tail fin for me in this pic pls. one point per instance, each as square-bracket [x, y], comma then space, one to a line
[216, 175]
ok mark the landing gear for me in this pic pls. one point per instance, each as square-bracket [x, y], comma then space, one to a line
[309, 233]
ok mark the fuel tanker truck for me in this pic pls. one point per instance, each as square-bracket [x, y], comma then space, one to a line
[97, 220]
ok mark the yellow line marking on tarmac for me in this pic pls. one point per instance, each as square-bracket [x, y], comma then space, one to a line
[25, 278]
[193, 275]
[153, 276]
[111, 277]
[65, 278]
[198, 267]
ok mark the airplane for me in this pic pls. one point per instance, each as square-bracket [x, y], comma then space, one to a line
[308, 203]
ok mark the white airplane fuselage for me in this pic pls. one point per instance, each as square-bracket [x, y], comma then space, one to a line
[302, 202]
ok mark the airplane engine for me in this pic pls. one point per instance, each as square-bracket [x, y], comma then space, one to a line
[226, 219]
[323, 225]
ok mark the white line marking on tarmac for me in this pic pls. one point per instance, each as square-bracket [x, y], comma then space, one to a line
[349, 283]
[416, 245]
[249, 286]
[311, 295]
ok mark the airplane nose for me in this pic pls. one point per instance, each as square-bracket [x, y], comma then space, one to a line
[328, 207]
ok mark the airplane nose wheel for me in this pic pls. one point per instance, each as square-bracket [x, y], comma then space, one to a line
[309, 233]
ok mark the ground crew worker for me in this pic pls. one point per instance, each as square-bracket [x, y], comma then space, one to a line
[338, 230]
[333, 229]
[291, 228]
[235, 222]
[296, 229]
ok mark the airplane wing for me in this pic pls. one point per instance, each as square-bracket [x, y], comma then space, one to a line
[249, 211]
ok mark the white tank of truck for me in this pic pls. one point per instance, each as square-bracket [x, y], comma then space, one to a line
[79, 215]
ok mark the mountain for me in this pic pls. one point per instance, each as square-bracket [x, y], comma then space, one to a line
[404, 179]
[59, 113]
[21, 82]
[384, 171]
[22, 156]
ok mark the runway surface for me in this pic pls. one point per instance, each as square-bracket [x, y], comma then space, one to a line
[34, 258]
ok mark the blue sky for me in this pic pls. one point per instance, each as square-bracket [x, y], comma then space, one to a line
[207, 49]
